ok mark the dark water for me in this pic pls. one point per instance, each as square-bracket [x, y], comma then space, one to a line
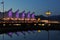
[43, 35]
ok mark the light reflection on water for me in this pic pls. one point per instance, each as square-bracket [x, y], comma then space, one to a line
[43, 35]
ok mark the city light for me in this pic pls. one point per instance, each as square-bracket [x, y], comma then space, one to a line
[48, 13]
[3, 24]
[39, 24]
[43, 24]
[34, 24]
[38, 30]
[38, 19]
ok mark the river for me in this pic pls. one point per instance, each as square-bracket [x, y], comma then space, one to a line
[43, 35]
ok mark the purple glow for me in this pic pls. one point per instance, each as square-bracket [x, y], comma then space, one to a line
[10, 13]
[17, 14]
[10, 33]
[28, 16]
[33, 15]
[23, 14]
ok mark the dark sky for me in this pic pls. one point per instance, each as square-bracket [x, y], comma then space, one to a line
[38, 6]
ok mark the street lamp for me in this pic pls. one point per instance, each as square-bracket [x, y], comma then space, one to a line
[48, 13]
[3, 7]
[3, 12]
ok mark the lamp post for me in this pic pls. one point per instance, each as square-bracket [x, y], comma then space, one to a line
[3, 7]
[48, 13]
[3, 12]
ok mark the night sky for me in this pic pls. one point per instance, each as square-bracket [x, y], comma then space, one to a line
[38, 6]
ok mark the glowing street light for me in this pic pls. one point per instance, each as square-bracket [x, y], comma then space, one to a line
[48, 13]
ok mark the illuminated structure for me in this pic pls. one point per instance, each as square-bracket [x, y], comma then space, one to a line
[48, 13]
[10, 13]
[20, 24]
[23, 14]
[33, 15]
[17, 13]
[28, 14]
[20, 16]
